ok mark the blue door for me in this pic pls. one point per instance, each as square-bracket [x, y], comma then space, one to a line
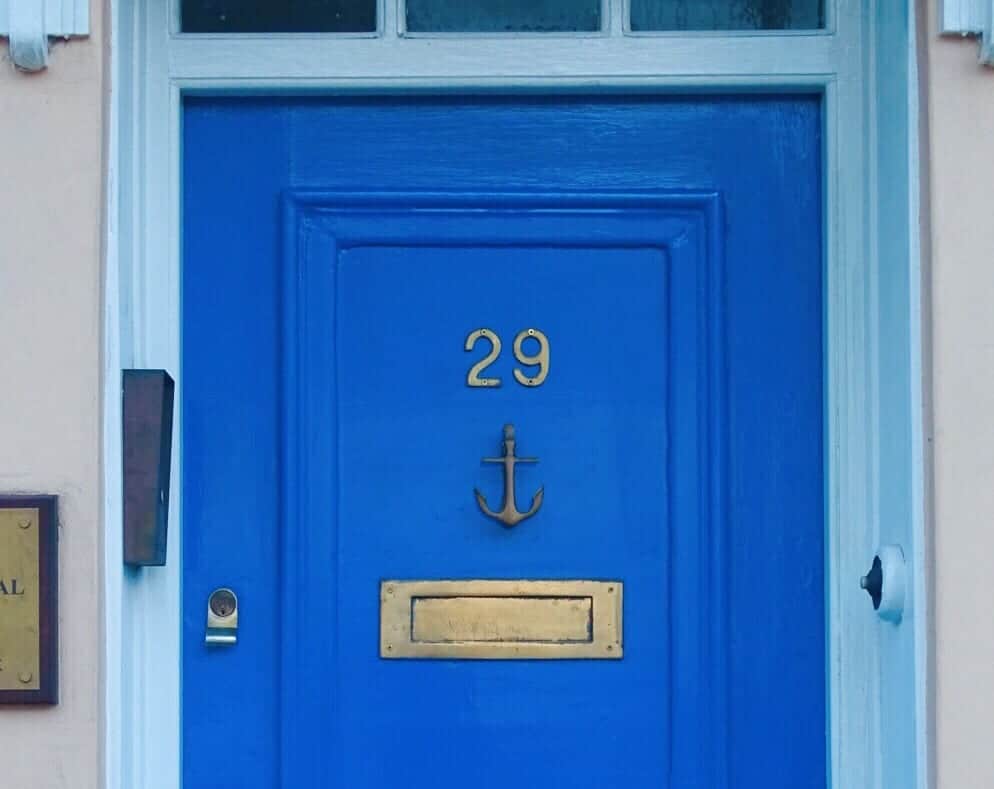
[372, 290]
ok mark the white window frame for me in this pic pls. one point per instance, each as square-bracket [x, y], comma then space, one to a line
[877, 671]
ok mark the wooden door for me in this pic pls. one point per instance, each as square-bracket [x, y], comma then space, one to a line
[337, 256]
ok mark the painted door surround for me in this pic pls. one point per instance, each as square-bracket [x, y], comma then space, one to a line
[877, 695]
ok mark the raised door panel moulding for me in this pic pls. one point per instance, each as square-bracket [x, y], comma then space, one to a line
[29, 23]
[971, 17]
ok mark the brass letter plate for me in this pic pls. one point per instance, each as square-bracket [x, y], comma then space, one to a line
[28, 590]
[500, 620]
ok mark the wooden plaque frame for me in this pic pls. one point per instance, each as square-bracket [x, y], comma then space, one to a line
[47, 691]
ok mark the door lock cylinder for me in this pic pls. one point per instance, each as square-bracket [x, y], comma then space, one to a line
[222, 618]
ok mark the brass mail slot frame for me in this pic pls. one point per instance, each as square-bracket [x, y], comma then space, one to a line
[501, 620]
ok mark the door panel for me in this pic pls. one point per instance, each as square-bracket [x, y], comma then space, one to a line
[336, 255]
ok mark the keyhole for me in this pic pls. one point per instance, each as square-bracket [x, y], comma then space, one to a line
[222, 603]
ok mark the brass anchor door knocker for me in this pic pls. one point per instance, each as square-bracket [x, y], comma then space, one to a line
[509, 515]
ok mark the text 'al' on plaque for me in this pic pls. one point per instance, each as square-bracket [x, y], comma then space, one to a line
[29, 577]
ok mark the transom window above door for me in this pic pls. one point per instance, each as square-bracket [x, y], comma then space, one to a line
[419, 17]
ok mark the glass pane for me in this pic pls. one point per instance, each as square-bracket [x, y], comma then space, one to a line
[279, 16]
[503, 16]
[727, 14]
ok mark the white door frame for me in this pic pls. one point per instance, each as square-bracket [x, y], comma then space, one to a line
[864, 64]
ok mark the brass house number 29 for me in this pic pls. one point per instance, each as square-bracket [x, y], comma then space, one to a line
[541, 359]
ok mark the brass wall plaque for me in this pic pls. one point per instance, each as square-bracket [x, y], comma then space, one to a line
[28, 595]
[500, 620]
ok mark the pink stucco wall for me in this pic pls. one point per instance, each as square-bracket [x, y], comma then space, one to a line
[961, 172]
[51, 170]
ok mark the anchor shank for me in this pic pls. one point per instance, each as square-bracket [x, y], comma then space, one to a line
[510, 507]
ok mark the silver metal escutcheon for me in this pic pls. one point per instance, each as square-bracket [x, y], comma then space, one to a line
[222, 618]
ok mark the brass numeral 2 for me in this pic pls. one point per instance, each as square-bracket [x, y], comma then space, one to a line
[473, 376]
[540, 359]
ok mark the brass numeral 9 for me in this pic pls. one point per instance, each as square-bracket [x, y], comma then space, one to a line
[539, 359]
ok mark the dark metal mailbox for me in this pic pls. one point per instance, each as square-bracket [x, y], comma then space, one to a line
[148, 430]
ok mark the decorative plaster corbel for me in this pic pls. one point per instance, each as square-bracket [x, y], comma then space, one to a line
[29, 23]
[28, 40]
[971, 17]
